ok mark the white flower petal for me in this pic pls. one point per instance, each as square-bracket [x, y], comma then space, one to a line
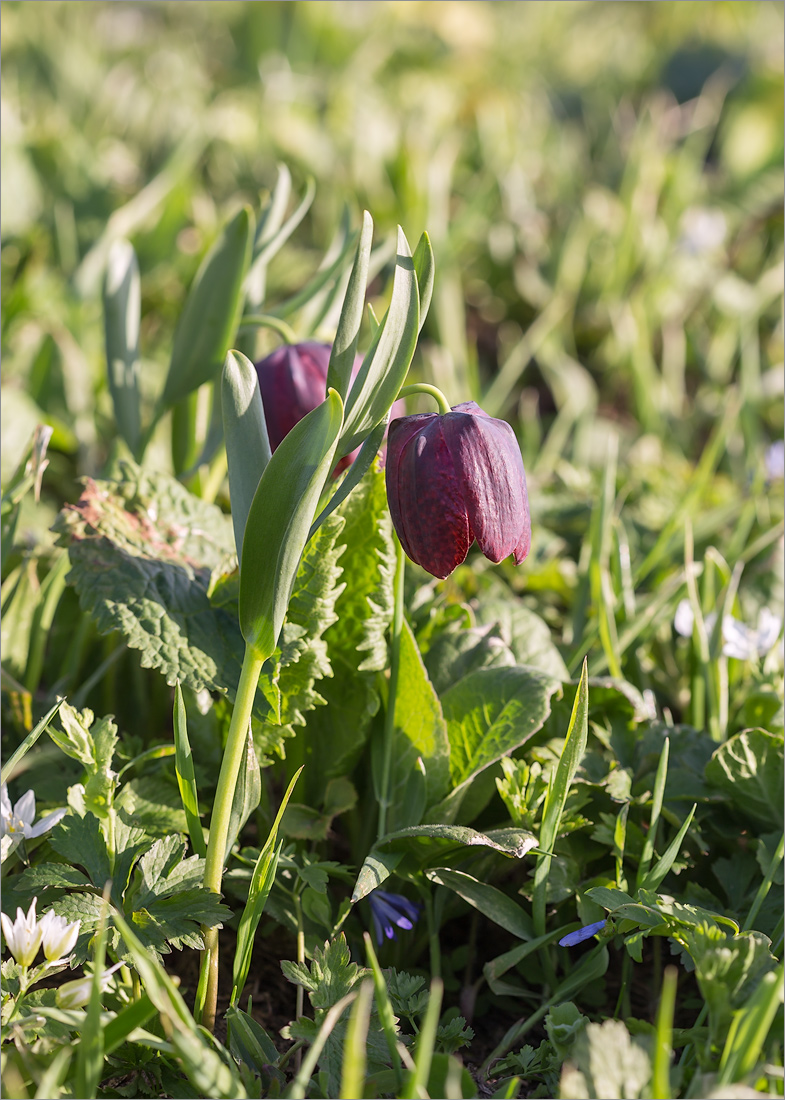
[684, 619]
[769, 627]
[25, 808]
[5, 802]
[46, 823]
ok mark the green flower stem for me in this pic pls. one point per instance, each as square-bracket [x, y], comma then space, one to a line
[234, 752]
[267, 320]
[395, 662]
[432, 391]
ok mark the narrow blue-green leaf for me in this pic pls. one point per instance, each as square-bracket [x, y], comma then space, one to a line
[267, 244]
[660, 869]
[262, 881]
[425, 269]
[184, 768]
[122, 317]
[29, 741]
[373, 321]
[270, 221]
[211, 312]
[354, 474]
[280, 519]
[245, 436]
[385, 366]
[90, 1054]
[344, 347]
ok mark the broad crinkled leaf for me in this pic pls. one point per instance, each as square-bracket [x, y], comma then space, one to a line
[748, 769]
[142, 550]
[145, 554]
[301, 658]
[81, 841]
[492, 712]
[420, 749]
[527, 635]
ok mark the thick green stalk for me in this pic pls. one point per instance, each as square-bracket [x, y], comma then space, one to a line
[234, 752]
[432, 391]
[395, 662]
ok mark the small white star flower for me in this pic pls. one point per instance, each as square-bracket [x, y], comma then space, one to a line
[59, 936]
[23, 937]
[16, 822]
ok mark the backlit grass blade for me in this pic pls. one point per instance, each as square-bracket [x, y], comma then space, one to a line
[663, 1036]
[418, 1078]
[558, 789]
[354, 1056]
[18, 754]
[384, 1008]
[184, 769]
[656, 809]
[660, 869]
[299, 1086]
[262, 881]
[749, 1029]
[90, 1053]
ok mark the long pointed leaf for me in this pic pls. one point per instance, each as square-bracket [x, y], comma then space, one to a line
[211, 312]
[387, 362]
[280, 519]
[184, 769]
[344, 347]
[245, 434]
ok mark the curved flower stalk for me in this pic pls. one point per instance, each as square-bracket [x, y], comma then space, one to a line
[453, 478]
[16, 822]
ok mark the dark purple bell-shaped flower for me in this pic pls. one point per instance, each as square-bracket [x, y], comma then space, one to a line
[293, 381]
[452, 478]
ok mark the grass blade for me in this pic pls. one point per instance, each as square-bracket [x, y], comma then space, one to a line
[354, 1056]
[660, 869]
[18, 754]
[186, 779]
[561, 781]
[418, 1078]
[656, 809]
[663, 1038]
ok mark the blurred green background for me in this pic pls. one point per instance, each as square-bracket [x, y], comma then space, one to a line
[603, 186]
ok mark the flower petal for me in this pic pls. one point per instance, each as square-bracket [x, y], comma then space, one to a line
[582, 934]
[490, 473]
[46, 823]
[25, 808]
[424, 495]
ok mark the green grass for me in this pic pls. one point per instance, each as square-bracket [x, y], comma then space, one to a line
[602, 186]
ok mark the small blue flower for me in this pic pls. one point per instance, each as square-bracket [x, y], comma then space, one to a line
[582, 934]
[390, 910]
